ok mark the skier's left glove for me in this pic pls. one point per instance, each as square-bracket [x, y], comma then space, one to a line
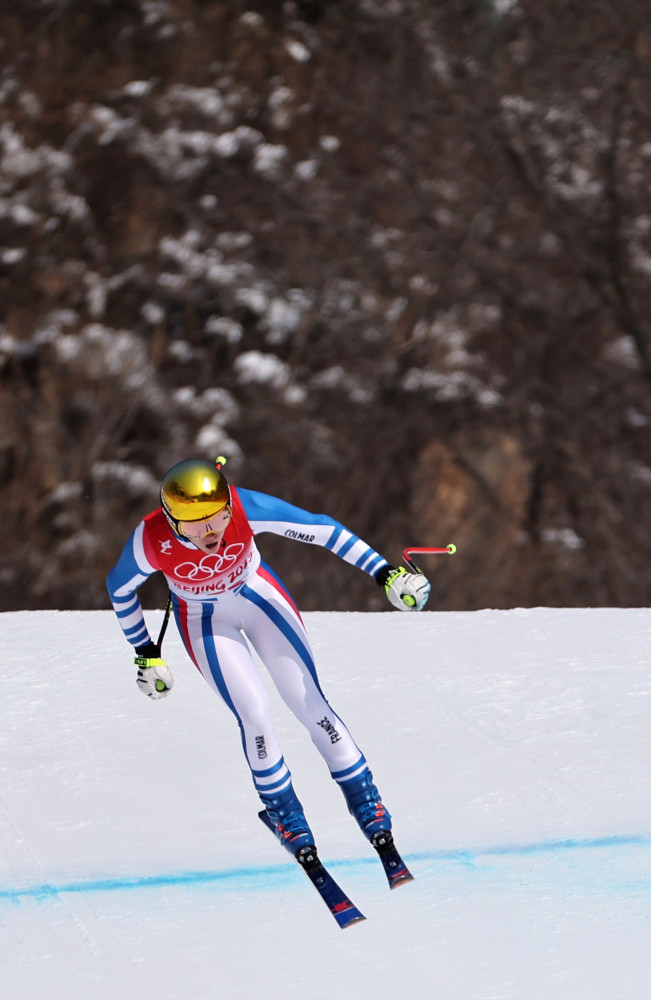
[406, 591]
[154, 676]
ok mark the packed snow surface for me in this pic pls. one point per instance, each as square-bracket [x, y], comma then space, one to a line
[512, 747]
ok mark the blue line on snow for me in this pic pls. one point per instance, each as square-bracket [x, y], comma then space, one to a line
[254, 877]
[543, 847]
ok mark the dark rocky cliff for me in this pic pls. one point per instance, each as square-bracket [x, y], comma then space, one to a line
[390, 256]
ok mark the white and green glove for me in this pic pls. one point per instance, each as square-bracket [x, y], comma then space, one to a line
[154, 676]
[406, 591]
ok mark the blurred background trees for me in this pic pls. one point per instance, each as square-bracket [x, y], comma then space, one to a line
[392, 257]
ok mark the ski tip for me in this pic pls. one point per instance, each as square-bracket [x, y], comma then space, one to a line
[403, 878]
[348, 916]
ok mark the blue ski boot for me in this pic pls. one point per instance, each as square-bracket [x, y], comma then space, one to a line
[365, 804]
[290, 826]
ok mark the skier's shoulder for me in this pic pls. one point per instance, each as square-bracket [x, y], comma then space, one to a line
[264, 508]
[154, 522]
[155, 516]
[265, 503]
[254, 502]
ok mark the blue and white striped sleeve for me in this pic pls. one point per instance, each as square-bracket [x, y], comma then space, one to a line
[130, 571]
[267, 513]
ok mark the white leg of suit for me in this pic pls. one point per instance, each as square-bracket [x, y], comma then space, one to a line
[214, 634]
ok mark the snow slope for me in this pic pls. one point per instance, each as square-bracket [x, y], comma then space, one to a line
[513, 748]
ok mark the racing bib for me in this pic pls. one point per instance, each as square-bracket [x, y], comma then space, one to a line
[192, 573]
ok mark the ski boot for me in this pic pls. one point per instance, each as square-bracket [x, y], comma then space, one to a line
[285, 813]
[365, 804]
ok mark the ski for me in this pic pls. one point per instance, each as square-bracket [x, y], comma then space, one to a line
[341, 907]
[395, 869]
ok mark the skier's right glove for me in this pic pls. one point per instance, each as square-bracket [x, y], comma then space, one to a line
[406, 591]
[154, 676]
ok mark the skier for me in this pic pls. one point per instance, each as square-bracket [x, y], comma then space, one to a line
[202, 539]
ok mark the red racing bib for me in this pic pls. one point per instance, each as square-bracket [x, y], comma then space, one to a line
[196, 574]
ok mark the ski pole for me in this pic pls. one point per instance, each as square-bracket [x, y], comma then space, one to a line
[166, 618]
[427, 551]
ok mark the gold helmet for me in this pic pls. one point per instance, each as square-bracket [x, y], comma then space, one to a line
[194, 490]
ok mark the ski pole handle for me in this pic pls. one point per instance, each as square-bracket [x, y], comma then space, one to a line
[427, 551]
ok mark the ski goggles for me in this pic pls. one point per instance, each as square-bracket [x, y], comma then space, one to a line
[210, 525]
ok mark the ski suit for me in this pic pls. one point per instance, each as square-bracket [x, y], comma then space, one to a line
[224, 598]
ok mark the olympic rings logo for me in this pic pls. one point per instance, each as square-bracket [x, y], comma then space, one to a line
[210, 565]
